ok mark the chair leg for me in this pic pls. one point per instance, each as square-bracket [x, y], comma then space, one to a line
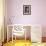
[15, 38]
[12, 36]
[25, 36]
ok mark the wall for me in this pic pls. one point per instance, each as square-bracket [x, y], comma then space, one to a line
[38, 14]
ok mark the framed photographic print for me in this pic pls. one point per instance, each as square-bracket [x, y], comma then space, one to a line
[26, 9]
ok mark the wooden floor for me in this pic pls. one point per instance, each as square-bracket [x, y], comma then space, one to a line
[23, 43]
[18, 43]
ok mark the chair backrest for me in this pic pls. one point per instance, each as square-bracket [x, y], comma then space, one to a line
[18, 30]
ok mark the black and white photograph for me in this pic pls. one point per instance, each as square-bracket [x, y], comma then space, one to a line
[27, 9]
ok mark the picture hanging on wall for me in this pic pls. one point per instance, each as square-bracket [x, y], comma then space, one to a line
[26, 9]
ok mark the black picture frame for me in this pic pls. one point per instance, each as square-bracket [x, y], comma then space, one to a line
[26, 9]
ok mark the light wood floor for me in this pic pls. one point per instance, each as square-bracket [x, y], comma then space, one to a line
[18, 43]
[23, 43]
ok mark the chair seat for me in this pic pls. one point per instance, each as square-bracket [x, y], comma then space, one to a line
[18, 33]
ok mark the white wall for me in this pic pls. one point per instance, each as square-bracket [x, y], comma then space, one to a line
[38, 14]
